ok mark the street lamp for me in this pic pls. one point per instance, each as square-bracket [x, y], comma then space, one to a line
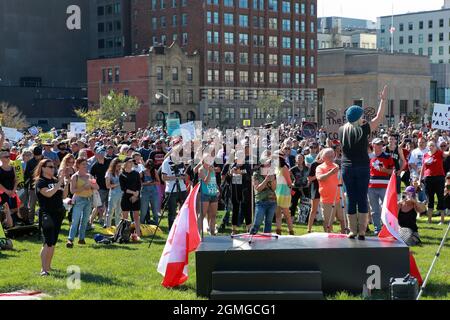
[159, 96]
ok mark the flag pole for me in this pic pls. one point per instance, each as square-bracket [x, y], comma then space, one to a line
[438, 253]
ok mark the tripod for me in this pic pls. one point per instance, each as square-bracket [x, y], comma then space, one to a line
[438, 253]
[340, 190]
[166, 201]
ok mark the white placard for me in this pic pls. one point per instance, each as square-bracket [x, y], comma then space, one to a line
[12, 134]
[441, 117]
[78, 128]
[188, 131]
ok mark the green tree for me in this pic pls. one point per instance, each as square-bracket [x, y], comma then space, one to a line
[94, 120]
[270, 105]
[115, 104]
[11, 117]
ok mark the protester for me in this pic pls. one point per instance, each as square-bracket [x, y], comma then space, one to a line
[98, 171]
[355, 164]
[130, 183]
[50, 192]
[8, 187]
[300, 175]
[314, 191]
[409, 209]
[393, 150]
[82, 186]
[150, 193]
[29, 183]
[115, 193]
[283, 190]
[209, 193]
[432, 172]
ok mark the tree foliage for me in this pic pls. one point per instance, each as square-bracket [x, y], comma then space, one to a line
[115, 104]
[94, 120]
[270, 105]
[11, 117]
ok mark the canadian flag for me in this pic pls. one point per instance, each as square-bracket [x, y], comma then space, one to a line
[391, 227]
[183, 239]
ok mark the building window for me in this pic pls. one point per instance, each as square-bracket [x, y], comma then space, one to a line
[174, 20]
[258, 77]
[430, 51]
[213, 56]
[420, 51]
[243, 39]
[286, 25]
[228, 19]
[420, 38]
[312, 44]
[243, 20]
[229, 57]
[410, 26]
[273, 41]
[243, 3]
[430, 24]
[297, 78]
[184, 19]
[228, 3]
[273, 23]
[430, 37]
[101, 43]
[420, 25]
[303, 8]
[410, 39]
[174, 73]
[258, 4]
[273, 59]
[190, 96]
[103, 75]
[441, 51]
[190, 74]
[400, 40]
[441, 23]
[183, 3]
[163, 22]
[401, 27]
[163, 4]
[273, 5]
[212, 17]
[286, 7]
[213, 2]
[174, 3]
[229, 38]
[303, 78]
[243, 76]
[213, 75]
[286, 60]
[312, 62]
[313, 28]
[286, 78]
[100, 11]
[175, 96]
[117, 75]
[229, 111]
[243, 112]
[164, 39]
[159, 73]
[229, 76]
[185, 39]
[101, 27]
[441, 36]
[213, 37]
[273, 77]
[258, 59]
[313, 80]
[243, 58]
[110, 75]
[286, 43]
[258, 41]
[403, 107]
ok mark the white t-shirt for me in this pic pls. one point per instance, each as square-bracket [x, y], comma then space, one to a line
[416, 158]
[166, 169]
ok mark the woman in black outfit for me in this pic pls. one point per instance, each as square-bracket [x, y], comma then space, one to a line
[50, 192]
[130, 183]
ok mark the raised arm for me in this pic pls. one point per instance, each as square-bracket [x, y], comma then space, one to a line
[381, 111]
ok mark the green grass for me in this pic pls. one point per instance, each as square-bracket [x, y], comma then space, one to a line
[129, 271]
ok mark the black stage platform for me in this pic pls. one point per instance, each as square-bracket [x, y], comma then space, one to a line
[294, 267]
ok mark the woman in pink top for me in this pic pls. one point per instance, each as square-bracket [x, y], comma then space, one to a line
[327, 175]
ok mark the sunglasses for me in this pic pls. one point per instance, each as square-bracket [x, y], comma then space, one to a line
[51, 167]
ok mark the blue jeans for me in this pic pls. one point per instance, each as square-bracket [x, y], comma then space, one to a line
[80, 217]
[114, 209]
[376, 197]
[150, 195]
[356, 180]
[264, 210]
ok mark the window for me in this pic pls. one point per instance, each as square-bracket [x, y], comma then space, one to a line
[228, 95]
[410, 39]
[430, 37]
[212, 17]
[420, 38]
[228, 3]
[229, 38]
[258, 22]
[213, 37]
[303, 44]
[297, 26]
[383, 28]
[163, 22]
[174, 73]
[174, 3]
[164, 40]
[258, 77]
[154, 4]
[286, 25]
[286, 43]
[297, 8]
[420, 25]
[259, 113]
[243, 58]
[213, 2]
[273, 41]
[303, 8]
[100, 11]
[183, 3]
[303, 26]
[109, 9]
[420, 51]
[229, 111]
[430, 51]
[155, 40]
[286, 78]
[273, 23]
[258, 41]
[430, 24]
[258, 4]
[312, 44]
[229, 57]
[441, 36]
[228, 19]
[302, 77]
[243, 39]
[229, 76]
[273, 59]
[117, 75]
[213, 75]
[184, 19]
[273, 5]
[174, 21]
[441, 23]
[243, 3]
[110, 75]
[101, 27]
[313, 10]
[273, 77]
[286, 7]
[401, 27]
[185, 39]
[287, 60]
[104, 75]
[312, 62]
[190, 96]
[101, 43]
[313, 80]
[213, 56]
[297, 61]
[117, 8]
[297, 78]
[243, 76]
[118, 26]
[403, 107]
[243, 112]
[313, 28]
[174, 37]
[297, 43]
[190, 74]
[258, 58]
[243, 20]
[163, 4]
[400, 40]
[441, 51]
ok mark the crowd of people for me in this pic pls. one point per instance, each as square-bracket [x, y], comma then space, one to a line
[103, 177]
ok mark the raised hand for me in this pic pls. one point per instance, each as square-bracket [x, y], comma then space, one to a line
[383, 93]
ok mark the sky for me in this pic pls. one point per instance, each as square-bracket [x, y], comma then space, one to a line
[371, 9]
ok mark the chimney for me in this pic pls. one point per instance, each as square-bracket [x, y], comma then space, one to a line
[446, 4]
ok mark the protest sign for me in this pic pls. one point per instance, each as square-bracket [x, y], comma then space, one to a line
[173, 127]
[18, 169]
[309, 129]
[441, 117]
[77, 128]
[12, 134]
[33, 131]
[188, 131]
[46, 136]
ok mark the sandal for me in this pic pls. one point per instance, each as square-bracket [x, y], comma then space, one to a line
[44, 274]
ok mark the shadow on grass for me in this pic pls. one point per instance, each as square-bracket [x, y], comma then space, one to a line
[112, 247]
[88, 277]
[435, 290]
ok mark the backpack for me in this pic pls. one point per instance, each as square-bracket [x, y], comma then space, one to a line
[123, 232]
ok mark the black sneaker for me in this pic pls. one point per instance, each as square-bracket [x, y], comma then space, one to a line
[362, 238]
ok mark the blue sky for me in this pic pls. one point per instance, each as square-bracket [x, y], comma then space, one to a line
[370, 9]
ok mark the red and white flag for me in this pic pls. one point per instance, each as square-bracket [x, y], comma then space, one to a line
[183, 239]
[392, 30]
[391, 227]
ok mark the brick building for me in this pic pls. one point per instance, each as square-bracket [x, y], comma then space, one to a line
[168, 70]
[248, 49]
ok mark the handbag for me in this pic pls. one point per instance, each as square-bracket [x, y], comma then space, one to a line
[96, 199]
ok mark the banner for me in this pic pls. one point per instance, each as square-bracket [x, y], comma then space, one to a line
[33, 131]
[78, 128]
[309, 129]
[17, 165]
[46, 136]
[334, 119]
[441, 117]
[12, 134]
[188, 131]
[173, 127]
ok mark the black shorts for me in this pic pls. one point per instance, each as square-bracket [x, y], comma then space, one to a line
[314, 193]
[126, 204]
[50, 233]
[12, 202]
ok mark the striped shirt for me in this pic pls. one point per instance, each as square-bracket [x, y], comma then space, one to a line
[380, 179]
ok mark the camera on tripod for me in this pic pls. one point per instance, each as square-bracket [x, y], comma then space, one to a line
[177, 169]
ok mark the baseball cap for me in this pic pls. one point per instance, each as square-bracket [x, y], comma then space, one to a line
[100, 151]
[377, 141]
[37, 151]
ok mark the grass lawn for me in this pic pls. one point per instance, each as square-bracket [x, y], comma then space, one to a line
[129, 271]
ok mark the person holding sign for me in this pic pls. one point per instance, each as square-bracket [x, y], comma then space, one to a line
[354, 137]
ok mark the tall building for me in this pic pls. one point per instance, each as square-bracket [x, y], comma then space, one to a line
[327, 24]
[425, 33]
[110, 28]
[248, 49]
[43, 50]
